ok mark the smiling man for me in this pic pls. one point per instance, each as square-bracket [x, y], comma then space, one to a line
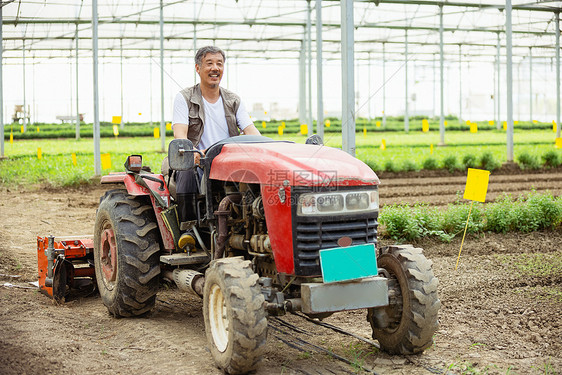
[205, 114]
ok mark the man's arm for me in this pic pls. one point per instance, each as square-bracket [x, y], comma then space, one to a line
[180, 131]
[250, 130]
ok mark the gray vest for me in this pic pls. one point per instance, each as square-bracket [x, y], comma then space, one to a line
[196, 124]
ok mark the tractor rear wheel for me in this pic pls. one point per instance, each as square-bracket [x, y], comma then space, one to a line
[126, 246]
[235, 319]
[407, 324]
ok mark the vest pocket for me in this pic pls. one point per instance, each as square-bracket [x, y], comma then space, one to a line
[195, 122]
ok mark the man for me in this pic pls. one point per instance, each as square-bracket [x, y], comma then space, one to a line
[205, 114]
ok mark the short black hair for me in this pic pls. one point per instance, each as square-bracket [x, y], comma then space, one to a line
[201, 52]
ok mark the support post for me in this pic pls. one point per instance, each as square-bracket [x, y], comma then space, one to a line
[309, 68]
[348, 84]
[319, 79]
[558, 125]
[369, 114]
[495, 98]
[460, 84]
[151, 91]
[122, 124]
[434, 86]
[162, 124]
[498, 122]
[406, 113]
[70, 85]
[24, 96]
[302, 83]
[509, 77]
[441, 79]
[531, 85]
[77, 91]
[383, 86]
[97, 155]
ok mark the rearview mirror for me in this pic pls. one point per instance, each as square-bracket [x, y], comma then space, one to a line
[180, 155]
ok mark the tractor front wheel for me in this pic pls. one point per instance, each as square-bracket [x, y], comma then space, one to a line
[126, 246]
[235, 319]
[407, 324]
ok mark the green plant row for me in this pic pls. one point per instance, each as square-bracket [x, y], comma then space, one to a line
[55, 168]
[452, 163]
[528, 213]
[393, 124]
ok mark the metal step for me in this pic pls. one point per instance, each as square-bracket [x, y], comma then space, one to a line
[180, 259]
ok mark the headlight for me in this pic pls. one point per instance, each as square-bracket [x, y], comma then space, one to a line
[338, 203]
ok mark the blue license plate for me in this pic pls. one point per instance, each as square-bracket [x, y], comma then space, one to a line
[348, 263]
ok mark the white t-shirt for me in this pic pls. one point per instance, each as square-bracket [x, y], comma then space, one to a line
[215, 128]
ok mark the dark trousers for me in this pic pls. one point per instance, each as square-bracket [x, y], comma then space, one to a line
[186, 194]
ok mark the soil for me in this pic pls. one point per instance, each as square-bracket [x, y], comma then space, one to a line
[495, 318]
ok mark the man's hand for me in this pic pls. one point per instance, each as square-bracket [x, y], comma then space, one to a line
[197, 157]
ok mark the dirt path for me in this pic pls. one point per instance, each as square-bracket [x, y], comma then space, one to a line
[495, 317]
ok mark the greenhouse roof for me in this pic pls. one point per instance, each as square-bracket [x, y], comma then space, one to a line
[275, 29]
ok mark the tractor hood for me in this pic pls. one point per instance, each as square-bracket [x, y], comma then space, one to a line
[272, 163]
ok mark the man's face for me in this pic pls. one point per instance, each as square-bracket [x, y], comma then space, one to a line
[211, 69]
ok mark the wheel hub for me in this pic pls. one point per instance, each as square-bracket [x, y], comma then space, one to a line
[218, 318]
[108, 255]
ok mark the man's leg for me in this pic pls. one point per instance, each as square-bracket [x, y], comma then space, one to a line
[186, 193]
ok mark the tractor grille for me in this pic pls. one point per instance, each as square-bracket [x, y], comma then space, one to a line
[310, 236]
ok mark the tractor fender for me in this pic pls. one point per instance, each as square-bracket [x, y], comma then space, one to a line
[135, 189]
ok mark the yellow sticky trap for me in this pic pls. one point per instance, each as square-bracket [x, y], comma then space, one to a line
[491, 122]
[425, 125]
[280, 130]
[468, 122]
[364, 131]
[140, 113]
[431, 149]
[473, 127]
[304, 129]
[38, 129]
[156, 133]
[383, 144]
[39, 153]
[505, 125]
[283, 124]
[476, 185]
[378, 123]
[168, 126]
[445, 123]
[116, 119]
[11, 138]
[328, 123]
[105, 161]
[21, 128]
[553, 126]
[535, 122]
[558, 143]
[74, 161]
[263, 125]
[115, 130]
[515, 122]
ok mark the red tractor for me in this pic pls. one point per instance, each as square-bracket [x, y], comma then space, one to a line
[276, 227]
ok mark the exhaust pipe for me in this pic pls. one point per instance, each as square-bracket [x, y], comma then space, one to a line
[187, 280]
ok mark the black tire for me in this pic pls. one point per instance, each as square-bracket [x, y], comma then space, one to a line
[411, 316]
[128, 282]
[235, 318]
